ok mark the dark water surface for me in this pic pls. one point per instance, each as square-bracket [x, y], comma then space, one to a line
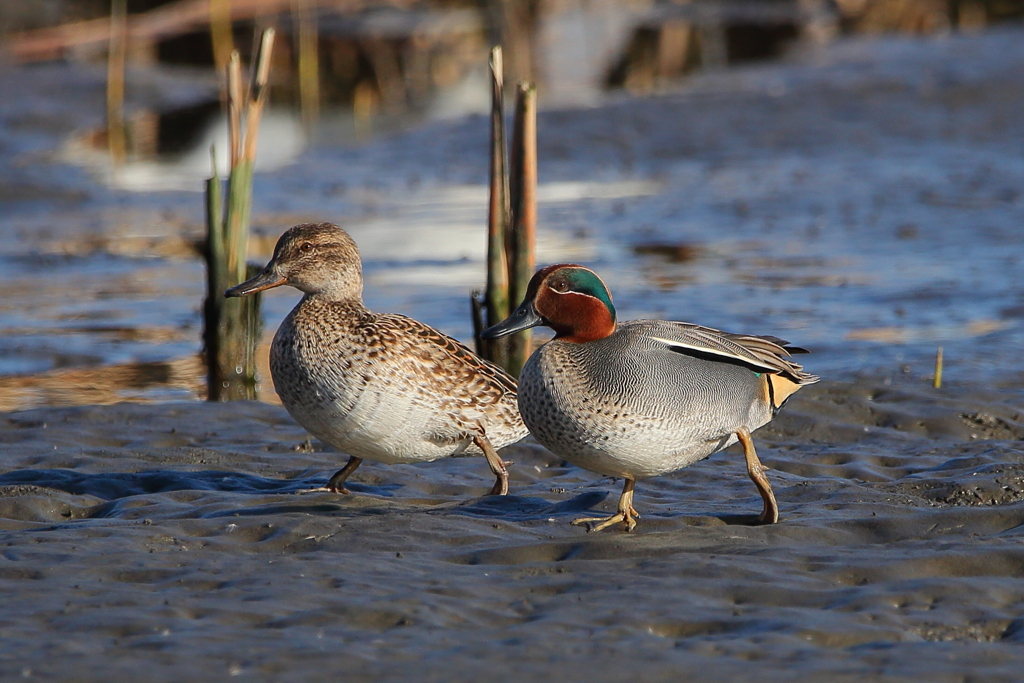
[864, 201]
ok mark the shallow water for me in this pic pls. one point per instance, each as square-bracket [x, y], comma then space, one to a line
[863, 201]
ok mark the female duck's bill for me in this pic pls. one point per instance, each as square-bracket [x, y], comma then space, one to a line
[268, 278]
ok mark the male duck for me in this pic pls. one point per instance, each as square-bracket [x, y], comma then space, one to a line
[376, 386]
[644, 397]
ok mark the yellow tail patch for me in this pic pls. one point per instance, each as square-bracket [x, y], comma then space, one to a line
[776, 390]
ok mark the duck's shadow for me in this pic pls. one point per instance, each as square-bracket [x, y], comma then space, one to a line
[524, 508]
[112, 486]
[736, 520]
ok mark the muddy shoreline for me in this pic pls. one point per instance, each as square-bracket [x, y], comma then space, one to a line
[863, 201]
[168, 542]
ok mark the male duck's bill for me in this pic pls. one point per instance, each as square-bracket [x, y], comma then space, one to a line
[523, 318]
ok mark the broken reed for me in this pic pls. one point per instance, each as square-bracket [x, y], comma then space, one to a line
[309, 66]
[116, 58]
[511, 221]
[232, 327]
[220, 33]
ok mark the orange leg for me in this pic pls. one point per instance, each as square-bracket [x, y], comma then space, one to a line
[626, 513]
[755, 469]
[497, 465]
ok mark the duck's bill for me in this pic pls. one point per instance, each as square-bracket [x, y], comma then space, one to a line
[523, 318]
[265, 280]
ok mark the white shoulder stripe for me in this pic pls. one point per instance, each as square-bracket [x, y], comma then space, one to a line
[747, 359]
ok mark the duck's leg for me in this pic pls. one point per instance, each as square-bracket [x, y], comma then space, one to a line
[755, 469]
[337, 482]
[626, 514]
[497, 465]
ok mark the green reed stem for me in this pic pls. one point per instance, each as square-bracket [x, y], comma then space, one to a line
[234, 326]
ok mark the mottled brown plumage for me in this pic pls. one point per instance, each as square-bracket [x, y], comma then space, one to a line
[378, 386]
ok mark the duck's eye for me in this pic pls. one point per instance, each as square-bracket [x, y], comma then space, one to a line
[561, 286]
[306, 247]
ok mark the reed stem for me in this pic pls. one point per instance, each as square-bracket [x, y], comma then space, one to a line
[938, 369]
[216, 279]
[309, 66]
[476, 309]
[511, 221]
[521, 239]
[234, 108]
[496, 295]
[116, 58]
[220, 33]
[233, 326]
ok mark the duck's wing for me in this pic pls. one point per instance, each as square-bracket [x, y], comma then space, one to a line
[762, 354]
[444, 355]
[783, 343]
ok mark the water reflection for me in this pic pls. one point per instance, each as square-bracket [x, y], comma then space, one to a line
[184, 162]
[179, 379]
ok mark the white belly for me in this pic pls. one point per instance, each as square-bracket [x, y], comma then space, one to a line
[388, 429]
[389, 419]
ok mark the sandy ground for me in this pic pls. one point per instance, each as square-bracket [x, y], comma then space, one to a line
[169, 542]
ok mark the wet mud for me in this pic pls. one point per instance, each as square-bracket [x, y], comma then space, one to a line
[172, 542]
[864, 202]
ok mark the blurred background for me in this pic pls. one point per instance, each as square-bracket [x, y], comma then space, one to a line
[399, 57]
[845, 174]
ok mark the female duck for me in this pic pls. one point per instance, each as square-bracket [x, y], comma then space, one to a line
[645, 397]
[381, 387]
